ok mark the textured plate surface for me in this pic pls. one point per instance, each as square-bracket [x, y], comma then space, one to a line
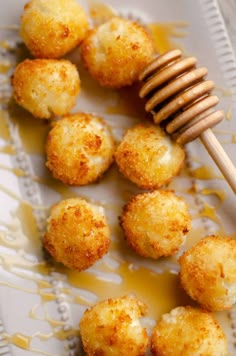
[40, 302]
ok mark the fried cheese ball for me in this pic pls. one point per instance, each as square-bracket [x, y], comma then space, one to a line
[187, 331]
[208, 272]
[46, 87]
[51, 28]
[148, 157]
[116, 52]
[112, 327]
[156, 223]
[79, 149]
[77, 233]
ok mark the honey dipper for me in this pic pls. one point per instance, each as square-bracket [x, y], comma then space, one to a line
[177, 92]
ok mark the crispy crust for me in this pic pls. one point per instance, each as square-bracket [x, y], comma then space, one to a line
[116, 52]
[46, 87]
[208, 272]
[148, 157]
[79, 149]
[77, 233]
[112, 327]
[188, 331]
[155, 224]
[52, 28]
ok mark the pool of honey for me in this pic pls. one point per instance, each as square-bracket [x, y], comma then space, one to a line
[121, 272]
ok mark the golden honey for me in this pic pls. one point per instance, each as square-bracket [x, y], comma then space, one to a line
[164, 33]
[100, 12]
[204, 173]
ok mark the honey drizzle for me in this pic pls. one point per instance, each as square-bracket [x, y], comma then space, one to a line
[20, 288]
[228, 114]
[209, 212]
[10, 193]
[130, 284]
[233, 139]
[8, 149]
[23, 341]
[164, 33]
[19, 340]
[16, 171]
[100, 12]
[220, 194]
[63, 190]
[4, 67]
[204, 173]
[5, 45]
[32, 131]
[133, 107]
[4, 130]
[54, 323]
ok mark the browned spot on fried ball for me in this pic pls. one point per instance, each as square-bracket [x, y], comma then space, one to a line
[46, 87]
[77, 233]
[112, 327]
[116, 52]
[148, 157]
[187, 331]
[79, 149]
[52, 28]
[208, 272]
[156, 223]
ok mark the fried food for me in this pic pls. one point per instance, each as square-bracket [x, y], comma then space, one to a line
[156, 223]
[208, 272]
[52, 28]
[187, 331]
[148, 157]
[112, 327]
[116, 52]
[79, 149]
[77, 233]
[46, 87]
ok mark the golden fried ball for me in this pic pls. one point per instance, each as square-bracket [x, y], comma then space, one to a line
[112, 327]
[51, 28]
[148, 157]
[46, 87]
[77, 233]
[187, 331]
[116, 52]
[208, 272]
[155, 224]
[79, 149]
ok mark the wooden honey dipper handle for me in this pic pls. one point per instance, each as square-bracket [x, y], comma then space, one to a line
[176, 90]
[219, 156]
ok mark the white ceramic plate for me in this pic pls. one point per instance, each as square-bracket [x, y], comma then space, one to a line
[41, 303]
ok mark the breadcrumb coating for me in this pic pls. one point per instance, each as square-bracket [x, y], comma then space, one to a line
[77, 233]
[52, 28]
[79, 149]
[112, 327]
[156, 223]
[46, 87]
[187, 331]
[116, 52]
[208, 272]
[148, 157]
